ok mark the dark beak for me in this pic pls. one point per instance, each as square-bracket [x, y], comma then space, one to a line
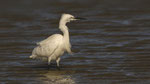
[79, 18]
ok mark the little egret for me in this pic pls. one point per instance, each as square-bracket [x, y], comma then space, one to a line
[55, 45]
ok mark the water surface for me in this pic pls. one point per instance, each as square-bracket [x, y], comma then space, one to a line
[110, 47]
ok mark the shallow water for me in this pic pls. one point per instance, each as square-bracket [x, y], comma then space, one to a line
[110, 47]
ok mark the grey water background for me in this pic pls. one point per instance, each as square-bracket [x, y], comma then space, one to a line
[111, 47]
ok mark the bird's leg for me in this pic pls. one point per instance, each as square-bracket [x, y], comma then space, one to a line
[49, 60]
[58, 62]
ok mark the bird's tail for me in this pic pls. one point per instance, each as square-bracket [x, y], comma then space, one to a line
[32, 56]
[38, 57]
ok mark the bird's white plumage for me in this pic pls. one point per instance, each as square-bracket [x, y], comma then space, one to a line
[54, 46]
[49, 46]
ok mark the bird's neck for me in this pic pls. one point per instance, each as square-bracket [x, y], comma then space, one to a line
[64, 29]
[65, 33]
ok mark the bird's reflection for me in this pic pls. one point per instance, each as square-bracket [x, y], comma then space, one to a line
[52, 75]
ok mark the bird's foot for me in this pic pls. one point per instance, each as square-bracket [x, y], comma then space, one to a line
[58, 68]
[49, 66]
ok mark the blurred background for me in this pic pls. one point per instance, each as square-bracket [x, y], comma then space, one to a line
[110, 47]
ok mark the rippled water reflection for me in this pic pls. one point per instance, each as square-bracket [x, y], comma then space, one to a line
[111, 46]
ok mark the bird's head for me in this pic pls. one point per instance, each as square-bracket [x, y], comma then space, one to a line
[68, 17]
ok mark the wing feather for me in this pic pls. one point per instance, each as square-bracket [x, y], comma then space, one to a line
[48, 46]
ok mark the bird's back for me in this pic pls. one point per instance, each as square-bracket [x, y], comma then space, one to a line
[51, 39]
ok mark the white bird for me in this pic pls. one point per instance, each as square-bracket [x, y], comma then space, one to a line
[55, 45]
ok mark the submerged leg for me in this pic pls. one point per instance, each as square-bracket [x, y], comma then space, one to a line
[58, 61]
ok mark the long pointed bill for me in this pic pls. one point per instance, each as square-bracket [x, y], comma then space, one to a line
[79, 18]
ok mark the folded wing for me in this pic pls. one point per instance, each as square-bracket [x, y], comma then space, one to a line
[48, 46]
